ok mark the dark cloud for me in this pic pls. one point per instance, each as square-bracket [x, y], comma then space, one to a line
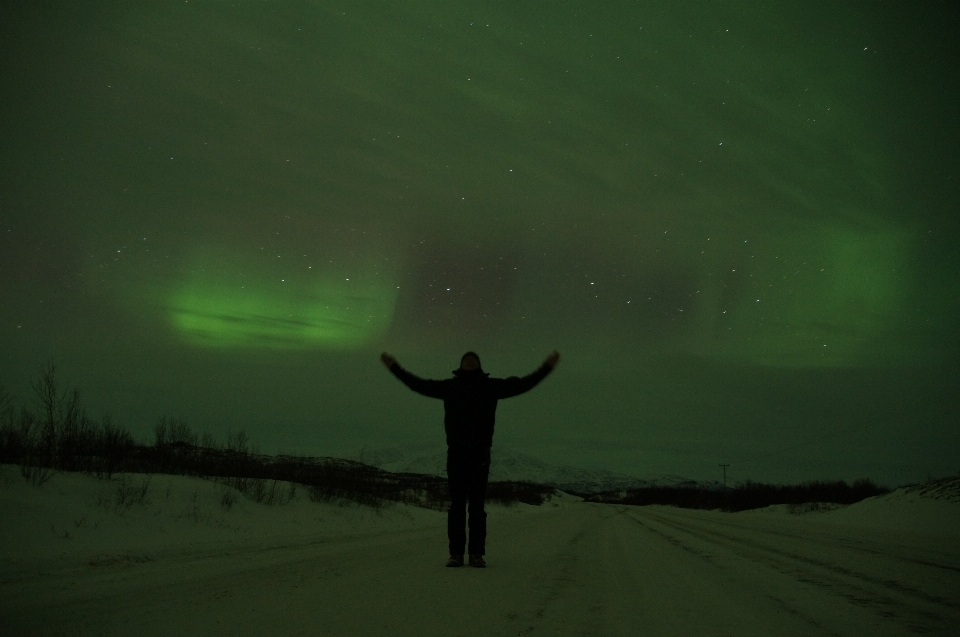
[455, 292]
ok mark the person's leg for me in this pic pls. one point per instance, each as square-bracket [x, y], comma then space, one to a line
[477, 493]
[457, 514]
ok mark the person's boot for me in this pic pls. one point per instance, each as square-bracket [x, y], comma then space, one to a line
[456, 560]
[477, 560]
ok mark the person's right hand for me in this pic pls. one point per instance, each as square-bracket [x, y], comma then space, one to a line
[388, 360]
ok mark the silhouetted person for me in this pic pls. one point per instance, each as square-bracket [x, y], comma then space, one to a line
[470, 405]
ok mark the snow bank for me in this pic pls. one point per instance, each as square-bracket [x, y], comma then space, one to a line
[931, 509]
[76, 519]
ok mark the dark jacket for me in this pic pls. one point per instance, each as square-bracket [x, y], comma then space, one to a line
[470, 400]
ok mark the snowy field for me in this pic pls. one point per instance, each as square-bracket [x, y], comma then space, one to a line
[185, 556]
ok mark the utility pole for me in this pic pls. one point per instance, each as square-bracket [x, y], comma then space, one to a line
[724, 474]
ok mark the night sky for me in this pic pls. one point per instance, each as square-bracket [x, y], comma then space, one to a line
[736, 221]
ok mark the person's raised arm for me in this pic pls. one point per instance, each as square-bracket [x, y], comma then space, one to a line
[429, 388]
[552, 359]
[514, 386]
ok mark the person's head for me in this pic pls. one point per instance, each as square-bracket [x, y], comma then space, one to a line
[470, 362]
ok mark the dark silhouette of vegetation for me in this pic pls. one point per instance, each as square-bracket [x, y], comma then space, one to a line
[57, 435]
[511, 492]
[747, 495]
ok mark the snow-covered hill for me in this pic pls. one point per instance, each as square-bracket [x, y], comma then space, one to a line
[506, 464]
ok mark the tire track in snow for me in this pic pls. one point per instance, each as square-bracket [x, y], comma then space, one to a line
[674, 592]
[927, 602]
[610, 576]
[564, 600]
[773, 543]
[808, 532]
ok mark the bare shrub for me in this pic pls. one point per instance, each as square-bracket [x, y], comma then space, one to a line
[239, 442]
[131, 493]
[17, 439]
[343, 497]
[113, 445]
[260, 490]
[179, 433]
[227, 500]
[173, 431]
[207, 441]
[35, 475]
[256, 490]
[320, 493]
[65, 432]
[49, 402]
[160, 432]
[6, 407]
[9, 439]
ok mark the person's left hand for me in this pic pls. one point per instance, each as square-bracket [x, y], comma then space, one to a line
[553, 358]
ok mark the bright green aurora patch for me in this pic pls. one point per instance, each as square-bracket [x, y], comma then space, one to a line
[327, 314]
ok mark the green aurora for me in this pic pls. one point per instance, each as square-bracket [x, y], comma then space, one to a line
[217, 307]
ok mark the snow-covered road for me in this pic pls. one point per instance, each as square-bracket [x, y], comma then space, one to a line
[578, 569]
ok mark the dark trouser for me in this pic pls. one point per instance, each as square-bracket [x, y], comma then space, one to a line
[467, 471]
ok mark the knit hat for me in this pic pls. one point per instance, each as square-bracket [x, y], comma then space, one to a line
[471, 373]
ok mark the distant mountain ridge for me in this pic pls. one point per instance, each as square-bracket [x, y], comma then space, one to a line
[509, 465]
